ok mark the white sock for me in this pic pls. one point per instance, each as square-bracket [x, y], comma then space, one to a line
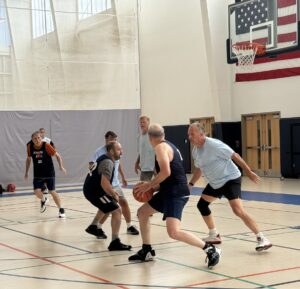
[128, 225]
[213, 232]
[44, 198]
[260, 235]
[99, 225]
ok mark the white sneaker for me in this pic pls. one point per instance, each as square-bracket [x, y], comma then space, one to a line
[43, 205]
[46, 191]
[61, 213]
[213, 239]
[262, 244]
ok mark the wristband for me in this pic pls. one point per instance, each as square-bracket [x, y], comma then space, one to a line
[191, 184]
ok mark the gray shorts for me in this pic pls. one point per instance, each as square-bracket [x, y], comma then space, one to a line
[119, 190]
[146, 176]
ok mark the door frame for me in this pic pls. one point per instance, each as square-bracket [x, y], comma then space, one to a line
[244, 141]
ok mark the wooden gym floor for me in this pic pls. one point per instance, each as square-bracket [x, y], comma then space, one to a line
[42, 251]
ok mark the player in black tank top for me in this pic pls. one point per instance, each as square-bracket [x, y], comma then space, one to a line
[177, 170]
[170, 199]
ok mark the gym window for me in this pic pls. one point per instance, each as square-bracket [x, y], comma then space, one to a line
[87, 8]
[42, 18]
[4, 29]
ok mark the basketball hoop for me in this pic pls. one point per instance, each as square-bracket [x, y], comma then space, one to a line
[246, 52]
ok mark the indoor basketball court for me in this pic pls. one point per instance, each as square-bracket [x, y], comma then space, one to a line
[42, 250]
[78, 69]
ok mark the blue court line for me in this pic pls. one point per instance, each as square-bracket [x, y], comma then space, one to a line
[288, 199]
[279, 198]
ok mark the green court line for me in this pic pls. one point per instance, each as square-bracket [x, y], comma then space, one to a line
[215, 273]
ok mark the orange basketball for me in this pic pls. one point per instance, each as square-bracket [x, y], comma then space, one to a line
[142, 197]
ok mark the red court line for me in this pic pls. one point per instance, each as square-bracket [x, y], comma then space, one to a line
[62, 265]
[243, 276]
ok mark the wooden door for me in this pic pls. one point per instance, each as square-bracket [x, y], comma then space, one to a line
[262, 143]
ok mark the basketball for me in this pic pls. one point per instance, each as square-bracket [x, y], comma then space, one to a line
[11, 188]
[142, 197]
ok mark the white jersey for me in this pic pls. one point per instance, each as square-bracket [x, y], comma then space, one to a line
[46, 139]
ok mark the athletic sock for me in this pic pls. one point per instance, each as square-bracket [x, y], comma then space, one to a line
[213, 232]
[260, 235]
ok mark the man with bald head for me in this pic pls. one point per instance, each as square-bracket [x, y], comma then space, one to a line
[217, 161]
[170, 200]
[99, 192]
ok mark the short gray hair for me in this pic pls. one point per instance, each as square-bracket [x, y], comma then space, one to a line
[199, 126]
[156, 131]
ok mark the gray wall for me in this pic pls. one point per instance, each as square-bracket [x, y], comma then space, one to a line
[76, 135]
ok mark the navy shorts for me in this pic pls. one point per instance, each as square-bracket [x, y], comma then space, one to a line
[104, 202]
[171, 201]
[38, 183]
[231, 190]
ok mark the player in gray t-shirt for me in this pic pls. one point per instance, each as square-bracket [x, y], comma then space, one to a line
[146, 158]
[217, 162]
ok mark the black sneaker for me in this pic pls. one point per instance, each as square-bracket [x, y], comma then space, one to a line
[94, 230]
[61, 213]
[213, 256]
[132, 230]
[116, 245]
[142, 255]
[101, 234]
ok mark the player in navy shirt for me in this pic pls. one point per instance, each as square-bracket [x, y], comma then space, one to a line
[170, 200]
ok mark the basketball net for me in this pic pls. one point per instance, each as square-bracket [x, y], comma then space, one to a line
[246, 53]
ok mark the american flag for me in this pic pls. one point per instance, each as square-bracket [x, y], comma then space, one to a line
[260, 11]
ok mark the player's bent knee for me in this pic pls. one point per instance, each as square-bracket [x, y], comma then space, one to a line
[203, 207]
[173, 233]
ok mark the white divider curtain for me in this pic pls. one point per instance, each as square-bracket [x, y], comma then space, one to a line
[76, 135]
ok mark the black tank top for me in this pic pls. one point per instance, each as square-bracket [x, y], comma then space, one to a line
[92, 181]
[42, 162]
[177, 170]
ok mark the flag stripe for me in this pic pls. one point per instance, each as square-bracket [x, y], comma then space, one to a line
[287, 37]
[285, 3]
[271, 74]
[279, 57]
[287, 19]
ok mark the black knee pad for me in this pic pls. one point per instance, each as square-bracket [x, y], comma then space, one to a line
[203, 207]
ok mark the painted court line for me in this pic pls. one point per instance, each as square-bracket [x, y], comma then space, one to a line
[63, 266]
[107, 282]
[249, 275]
[45, 239]
[227, 277]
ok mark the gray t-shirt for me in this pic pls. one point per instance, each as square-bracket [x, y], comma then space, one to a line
[106, 168]
[214, 161]
[102, 151]
[146, 152]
